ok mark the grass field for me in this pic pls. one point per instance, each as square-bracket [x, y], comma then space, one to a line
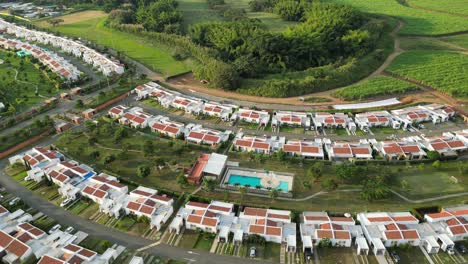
[445, 71]
[154, 55]
[196, 11]
[125, 165]
[451, 6]
[418, 43]
[29, 79]
[376, 86]
[417, 21]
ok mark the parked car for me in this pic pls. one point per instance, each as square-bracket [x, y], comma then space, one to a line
[395, 256]
[253, 252]
[450, 251]
[308, 254]
[461, 248]
[66, 202]
[54, 228]
[14, 201]
[69, 229]
[1, 196]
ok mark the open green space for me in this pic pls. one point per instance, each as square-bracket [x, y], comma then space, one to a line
[341, 255]
[410, 255]
[417, 21]
[421, 181]
[173, 154]
[444, 71]
[376, 86]
[22, 83]
[8, 141]
[154, 55]
[429, 43]
[450, 6]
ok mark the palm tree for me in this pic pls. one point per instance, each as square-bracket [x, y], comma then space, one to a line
[242, 191]
[273, 194]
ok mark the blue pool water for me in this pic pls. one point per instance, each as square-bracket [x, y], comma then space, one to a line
[254, 181]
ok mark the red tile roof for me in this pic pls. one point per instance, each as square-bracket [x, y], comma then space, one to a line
[255, 212]
[257, 229]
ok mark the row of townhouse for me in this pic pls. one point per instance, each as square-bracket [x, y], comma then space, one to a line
[78, 180]
[375, 232]
[449, 144]
[99, 61]
[190, 105]
[19, 240]
[54, 62]
[401, 118]
[137, 118]
[219, 218]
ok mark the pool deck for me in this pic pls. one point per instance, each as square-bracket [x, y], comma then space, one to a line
[281, 176]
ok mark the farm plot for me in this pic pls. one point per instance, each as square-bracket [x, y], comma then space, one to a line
[376, 86]
[460, 40]
[450, 6]
[445, 71]
[417, 21]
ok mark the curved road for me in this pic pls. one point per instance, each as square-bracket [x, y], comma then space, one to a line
[68, 219]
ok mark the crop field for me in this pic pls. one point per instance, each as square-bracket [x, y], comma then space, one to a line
[417, 21]
[154, 55]
[460, 40]
[445, 71]
[32, 87]
[451, 6]
[197, 11]
[376, 86]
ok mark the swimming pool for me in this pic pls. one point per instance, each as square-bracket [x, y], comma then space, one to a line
[254, 181]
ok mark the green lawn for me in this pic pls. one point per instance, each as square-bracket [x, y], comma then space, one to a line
[451, 6]
[196, 11]
[204, 241]
[152, 54]
[445, 71]
[376, 86]
[174, 152]
[427, 181]
[294, 130]
[410, 255]
[189, 239]
[417, 21]
[28, 78]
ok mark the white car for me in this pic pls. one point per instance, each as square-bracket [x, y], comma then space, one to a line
[69, 229]
[66, 202]
[14, 201]
[54, 228]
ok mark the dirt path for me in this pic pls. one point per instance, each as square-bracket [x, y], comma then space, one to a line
[396, 51]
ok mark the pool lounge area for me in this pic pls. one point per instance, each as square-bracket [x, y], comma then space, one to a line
[258, 179]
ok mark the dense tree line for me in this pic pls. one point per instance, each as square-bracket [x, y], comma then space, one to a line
[330, 32]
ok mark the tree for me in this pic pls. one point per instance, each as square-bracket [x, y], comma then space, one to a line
[95, 154]
[143, 171]
[109, 158]
[436, 164]
[316, 171]
[148, 148]
[120, 133]
[433, 155]
[242, 191]
[329, 184]
[280, 155]
[374, 190]
[273, 194]
[181, 180]
[79, 103]
[55, 21]
[209, 184]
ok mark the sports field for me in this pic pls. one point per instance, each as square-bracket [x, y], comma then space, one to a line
[443, 70]
[376, 86]
[417, 21]
[144, 50]
[451, 6]
[31, 84]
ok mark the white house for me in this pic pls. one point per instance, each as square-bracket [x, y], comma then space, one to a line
[453, 222]
[328, 120]
[164, 126]
[136, 118]
[117, 111]
[389, 229]
[199, 135]
[375, 119]
[255, 144]
[252, 116]
[218, 110]
[393, 150]
[304, 149]
[286, 118]
[345, 150]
